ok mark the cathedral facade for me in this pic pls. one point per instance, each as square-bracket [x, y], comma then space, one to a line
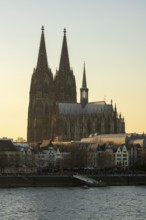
[53, 110]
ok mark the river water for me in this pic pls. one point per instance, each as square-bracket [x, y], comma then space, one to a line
[103, 203]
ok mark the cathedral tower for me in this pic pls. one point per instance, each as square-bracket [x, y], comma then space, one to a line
[64, 81]
[41, 96]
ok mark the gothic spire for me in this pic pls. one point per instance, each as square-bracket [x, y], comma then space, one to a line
[41, 99]
[64, 59]
[42, 62]
[84, 90]
[64, 80]
[84, 84]
[115, 108]
[115, 111]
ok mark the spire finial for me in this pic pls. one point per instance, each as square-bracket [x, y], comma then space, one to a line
[42, 28]
[64, 31]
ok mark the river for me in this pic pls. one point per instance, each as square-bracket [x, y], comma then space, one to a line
[103, 203]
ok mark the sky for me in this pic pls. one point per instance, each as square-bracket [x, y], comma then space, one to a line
[108, 35]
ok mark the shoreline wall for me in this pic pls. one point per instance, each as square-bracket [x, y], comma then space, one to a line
[68, 181]
[123, 180]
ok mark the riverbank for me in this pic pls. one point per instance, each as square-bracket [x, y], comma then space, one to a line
[68, 180]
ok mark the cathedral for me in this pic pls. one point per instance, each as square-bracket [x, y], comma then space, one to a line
[54, 112]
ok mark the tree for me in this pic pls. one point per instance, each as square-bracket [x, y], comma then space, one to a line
[76, 157]
[3, 161]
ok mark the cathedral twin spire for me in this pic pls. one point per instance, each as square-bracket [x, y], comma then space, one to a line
[64, 75]
[64, 80]
[64, 59]
[46, 91]
[42, 56]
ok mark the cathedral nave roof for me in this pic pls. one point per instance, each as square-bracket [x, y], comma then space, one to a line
[90, 108]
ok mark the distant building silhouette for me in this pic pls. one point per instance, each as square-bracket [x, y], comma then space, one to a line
[53, 109]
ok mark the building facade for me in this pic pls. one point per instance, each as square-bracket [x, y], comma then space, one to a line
[122, 157]
[53, 111]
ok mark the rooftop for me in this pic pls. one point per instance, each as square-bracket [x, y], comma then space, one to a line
[90, 108]
[7, 145]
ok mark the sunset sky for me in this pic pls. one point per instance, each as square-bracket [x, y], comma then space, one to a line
[108, 35]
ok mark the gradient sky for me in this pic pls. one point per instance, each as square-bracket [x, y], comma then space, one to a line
[109, 35]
